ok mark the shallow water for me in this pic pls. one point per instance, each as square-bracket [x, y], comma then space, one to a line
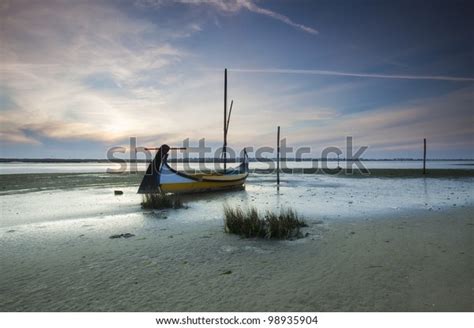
[25, 168]
[314, 196]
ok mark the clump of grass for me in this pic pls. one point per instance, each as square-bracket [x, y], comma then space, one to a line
[249, 223]
[284, 225]
[160, 201]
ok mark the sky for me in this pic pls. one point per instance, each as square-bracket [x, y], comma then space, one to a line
[79, 77]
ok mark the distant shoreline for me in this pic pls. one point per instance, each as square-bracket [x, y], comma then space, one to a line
[219, 160]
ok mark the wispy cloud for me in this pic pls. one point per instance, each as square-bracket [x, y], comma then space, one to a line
[233, 6]
[259, 10]
[444, 120]
[350, 74]
[55, 57]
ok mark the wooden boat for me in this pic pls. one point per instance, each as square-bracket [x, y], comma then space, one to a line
[161, 177]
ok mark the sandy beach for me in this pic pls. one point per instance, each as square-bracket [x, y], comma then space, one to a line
[366, 248]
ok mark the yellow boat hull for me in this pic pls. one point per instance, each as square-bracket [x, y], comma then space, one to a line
[172, 181]
[200, 186]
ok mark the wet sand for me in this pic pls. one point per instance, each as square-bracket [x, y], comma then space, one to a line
[14, 183]
[57, 255]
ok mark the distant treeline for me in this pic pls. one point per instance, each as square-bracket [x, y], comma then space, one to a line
[210, 160]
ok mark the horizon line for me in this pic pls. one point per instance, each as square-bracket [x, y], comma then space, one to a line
[52, 159]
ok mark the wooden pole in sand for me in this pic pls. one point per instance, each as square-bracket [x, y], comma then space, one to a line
[224, 148]
[424, 156]
[278, 156]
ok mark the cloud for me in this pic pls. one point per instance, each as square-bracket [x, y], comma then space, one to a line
[349, 74]
[87, 71]
[51, 55]
[234, 6]
[14, 137]
[446, 121]
[254, 8]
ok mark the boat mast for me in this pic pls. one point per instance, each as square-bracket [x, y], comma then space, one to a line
[224, 148]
